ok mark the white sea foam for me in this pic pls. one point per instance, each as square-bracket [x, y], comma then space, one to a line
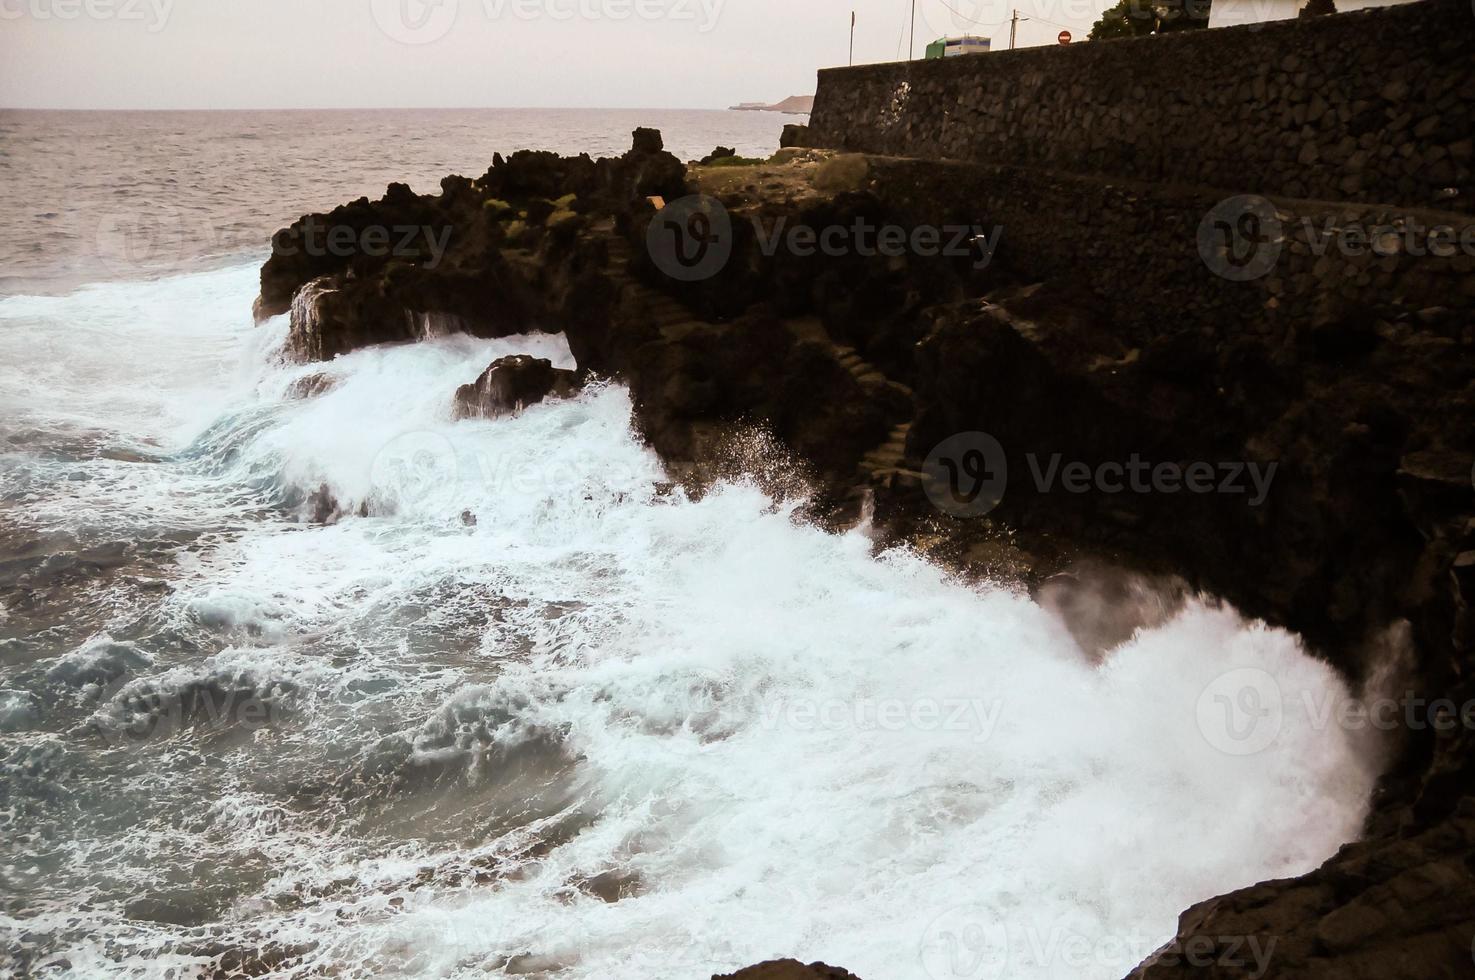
[151, 362]
[768, 741]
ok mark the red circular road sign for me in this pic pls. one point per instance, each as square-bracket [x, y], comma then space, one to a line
[1064, 37]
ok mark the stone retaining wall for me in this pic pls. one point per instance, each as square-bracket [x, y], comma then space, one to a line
[1153, 252]
[1374, 106]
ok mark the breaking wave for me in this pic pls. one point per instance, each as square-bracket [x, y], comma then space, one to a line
[514, 705]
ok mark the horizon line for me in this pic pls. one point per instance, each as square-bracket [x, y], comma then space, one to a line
[403, 109]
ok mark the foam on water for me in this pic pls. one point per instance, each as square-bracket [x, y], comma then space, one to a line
[148, 361]
[532, 680]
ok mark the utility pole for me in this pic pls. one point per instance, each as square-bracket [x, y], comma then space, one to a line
[1013, 28]
[912, 44]
[852, 38]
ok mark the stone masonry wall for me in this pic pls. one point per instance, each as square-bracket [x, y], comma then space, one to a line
[1375, 106]
[1154, 254]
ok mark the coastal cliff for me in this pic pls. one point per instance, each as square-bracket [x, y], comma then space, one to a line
[859, 365]
[1067, 316]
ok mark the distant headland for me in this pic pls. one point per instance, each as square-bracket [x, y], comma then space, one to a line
[793, 104]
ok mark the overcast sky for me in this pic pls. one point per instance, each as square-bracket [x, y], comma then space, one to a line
[460, 53]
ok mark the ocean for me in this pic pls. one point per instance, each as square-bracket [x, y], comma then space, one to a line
[528, 709]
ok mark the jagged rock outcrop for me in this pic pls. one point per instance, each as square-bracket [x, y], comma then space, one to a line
[795, 134]
[1383, 908]
[1350, 514]
[720, 153]
[513, 383]
[410, 266]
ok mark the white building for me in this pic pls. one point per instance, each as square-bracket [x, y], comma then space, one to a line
[1227, 13]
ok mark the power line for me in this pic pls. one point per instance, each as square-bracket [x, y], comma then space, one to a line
[1046, 20]
[970, 20]
[1064, 27]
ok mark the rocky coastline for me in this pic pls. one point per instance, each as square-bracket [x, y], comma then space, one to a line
[855, 364]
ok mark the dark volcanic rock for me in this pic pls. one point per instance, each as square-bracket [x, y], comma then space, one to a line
[795, 134]
[1400, 910]
[788, 970]
[410, 266]
[511, 384]
[311, 385]
[720, 153]
[648, 141]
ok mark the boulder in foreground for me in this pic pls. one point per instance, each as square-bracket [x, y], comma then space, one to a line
[512, 384]
[789, 970]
